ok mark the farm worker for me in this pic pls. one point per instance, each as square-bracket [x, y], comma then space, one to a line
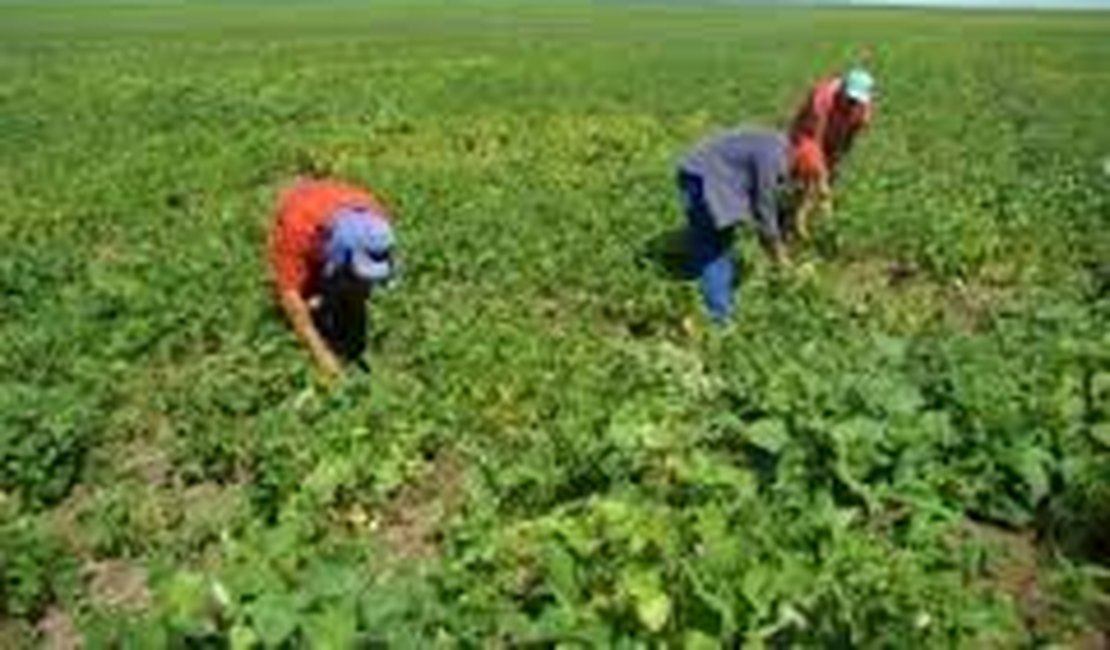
[729, 179]
[834, 112]
[329, 244]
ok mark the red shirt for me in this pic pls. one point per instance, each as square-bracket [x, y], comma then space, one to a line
[296, 239]
[829, 122]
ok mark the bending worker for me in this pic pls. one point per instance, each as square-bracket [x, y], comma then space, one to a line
[835, 111]
[730, 179]
[329, 244]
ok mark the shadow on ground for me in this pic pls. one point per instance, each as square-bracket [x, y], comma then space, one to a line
[668, 253]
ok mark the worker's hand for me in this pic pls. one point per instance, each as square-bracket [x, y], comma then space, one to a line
[329, 365]
[689, 327]
[298, 311]
[826, 204]
[779, 255]
[801, 228]
[824, 190]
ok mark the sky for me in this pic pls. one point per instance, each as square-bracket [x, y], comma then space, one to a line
[1042, 4]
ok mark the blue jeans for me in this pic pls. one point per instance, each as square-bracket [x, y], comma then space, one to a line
[710, 249]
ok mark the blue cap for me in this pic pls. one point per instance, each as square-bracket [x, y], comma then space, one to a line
[859, 84]
[362, 240]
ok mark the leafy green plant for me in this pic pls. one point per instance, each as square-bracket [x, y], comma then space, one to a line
[551, 445]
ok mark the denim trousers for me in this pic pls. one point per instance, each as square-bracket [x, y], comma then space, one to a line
[710, 249]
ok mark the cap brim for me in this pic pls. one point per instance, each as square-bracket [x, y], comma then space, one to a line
[861, 96]
[370, 270]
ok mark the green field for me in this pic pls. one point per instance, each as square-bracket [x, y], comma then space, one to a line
[908, 446]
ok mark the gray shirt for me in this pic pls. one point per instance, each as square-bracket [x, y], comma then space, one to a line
[741, 172]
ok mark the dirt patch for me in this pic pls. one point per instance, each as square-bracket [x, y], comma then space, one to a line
[889, 289]
[16, 634]
[148, 462]
[1014, 568]
[1090, 641]
[411, 522]
[904, 296]
[208, 509]
[64, 521]
[118, 585]
[57, 631]
[971, 306]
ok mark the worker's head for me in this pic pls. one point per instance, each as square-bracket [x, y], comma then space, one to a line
[358, 251]
[857, 86]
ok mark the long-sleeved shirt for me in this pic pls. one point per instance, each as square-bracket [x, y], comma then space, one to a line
[741, 172]
[304, 211]
[830, 124]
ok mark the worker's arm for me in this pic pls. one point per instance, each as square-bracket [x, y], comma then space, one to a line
[296, 309]
[287, 254]
[776, 250]
[767, 174]
[811, 129]
[815, 195]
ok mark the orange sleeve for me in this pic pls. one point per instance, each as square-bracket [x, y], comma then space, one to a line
[808, 159]
[289, 247]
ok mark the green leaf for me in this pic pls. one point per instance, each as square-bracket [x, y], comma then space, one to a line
[185, 601]
[274, 617]
[644, 587]
[757, 586]
[1101, 433]
[242, 637]
[718, 603]
[330, 580]
[1033, 463]
[704, 469]
[334, 628]
[769, 434]
[561, 573]
[698, 640]
[328, 476]
[654, 611]
[555, 621]
[384, 605]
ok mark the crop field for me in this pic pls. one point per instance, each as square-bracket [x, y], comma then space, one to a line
[903, 441]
